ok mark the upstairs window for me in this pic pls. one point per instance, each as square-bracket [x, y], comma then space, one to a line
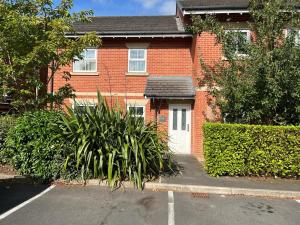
[137, 60]
[88, 63]
[239, 42]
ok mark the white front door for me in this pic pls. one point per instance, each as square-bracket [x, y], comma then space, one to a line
[180, 128]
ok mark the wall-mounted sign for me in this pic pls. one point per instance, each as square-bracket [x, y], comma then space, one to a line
[162, 119]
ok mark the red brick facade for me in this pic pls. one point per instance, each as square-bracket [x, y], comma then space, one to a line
[165, 57]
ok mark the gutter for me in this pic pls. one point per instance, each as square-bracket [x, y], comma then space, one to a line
[179, 35]
[217, 11]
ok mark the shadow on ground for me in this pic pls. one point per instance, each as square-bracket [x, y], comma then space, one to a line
[15, 191]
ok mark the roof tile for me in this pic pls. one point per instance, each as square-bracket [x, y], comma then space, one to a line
[170, 87]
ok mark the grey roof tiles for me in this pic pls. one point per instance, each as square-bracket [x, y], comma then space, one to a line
[132, 25]
[170, 87]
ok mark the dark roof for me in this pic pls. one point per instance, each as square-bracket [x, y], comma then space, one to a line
[170, 87]
[213, 4]
[132, 25]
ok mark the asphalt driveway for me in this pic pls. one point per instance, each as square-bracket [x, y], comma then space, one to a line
[13, 194]
[94, 205]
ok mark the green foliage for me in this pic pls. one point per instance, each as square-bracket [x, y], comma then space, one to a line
[33, 147]
[112, 145]
[33, 40]
[262, 86]
[235, 149]
[6, 123]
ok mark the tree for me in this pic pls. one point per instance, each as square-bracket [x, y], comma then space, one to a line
[262, 85]
[33, 41]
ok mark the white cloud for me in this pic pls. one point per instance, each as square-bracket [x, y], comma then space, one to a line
[168, 7]
[148, 4]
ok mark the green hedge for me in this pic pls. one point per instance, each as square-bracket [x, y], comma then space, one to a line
[33, 147]
[236, 149]
[6, 122]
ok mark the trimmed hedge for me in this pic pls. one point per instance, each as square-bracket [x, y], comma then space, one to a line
[236, 149]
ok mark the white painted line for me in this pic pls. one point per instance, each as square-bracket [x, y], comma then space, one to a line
[2, 216]
[298, 201]
[171, 211]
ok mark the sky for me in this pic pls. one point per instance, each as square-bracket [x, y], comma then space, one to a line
[126, 7]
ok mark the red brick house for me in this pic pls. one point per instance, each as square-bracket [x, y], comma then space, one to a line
[150, 64]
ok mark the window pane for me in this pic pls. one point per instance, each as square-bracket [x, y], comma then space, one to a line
[79, 65]
[175, 119]
[139, 111]
[137, 54]
[87, 63]
[141, 54]
[90, 66]
[137, 66]
[241, 43]
[183, 120]
[83, 108]
[133, 54]
[131, 110]
[90, 53]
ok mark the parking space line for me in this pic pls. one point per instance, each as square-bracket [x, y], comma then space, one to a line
[298, 201]
[2, 216]
[171, 212]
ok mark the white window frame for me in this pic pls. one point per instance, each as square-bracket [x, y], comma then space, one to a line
[138, 106]
[297, 37]
[82, 103]
[248, 31]
[145, 59]
[86, 71]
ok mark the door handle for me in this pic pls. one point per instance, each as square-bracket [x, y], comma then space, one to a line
[188, 127]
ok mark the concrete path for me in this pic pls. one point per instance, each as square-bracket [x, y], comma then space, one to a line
[193, 174]
[95, 205]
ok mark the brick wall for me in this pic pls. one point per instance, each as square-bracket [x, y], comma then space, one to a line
[165, 57]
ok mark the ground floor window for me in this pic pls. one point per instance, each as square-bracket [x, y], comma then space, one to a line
[80, 105]
[138, 111]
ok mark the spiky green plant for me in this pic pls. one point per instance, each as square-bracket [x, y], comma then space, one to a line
[114, 145]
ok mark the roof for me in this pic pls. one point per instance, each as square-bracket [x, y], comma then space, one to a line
[192, 5]
[132, 25]
[213, 4]
[170, 87]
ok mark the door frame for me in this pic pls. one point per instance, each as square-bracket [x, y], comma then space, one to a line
[189, 111]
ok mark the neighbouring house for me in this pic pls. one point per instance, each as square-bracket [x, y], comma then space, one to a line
[150, 65]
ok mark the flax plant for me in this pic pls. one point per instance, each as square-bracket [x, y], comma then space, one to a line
[113, 145]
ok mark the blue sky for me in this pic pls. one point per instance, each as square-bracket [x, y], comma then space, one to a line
[127, 7]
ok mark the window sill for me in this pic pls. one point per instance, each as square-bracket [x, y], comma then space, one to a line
[137, 74]
[84, 74]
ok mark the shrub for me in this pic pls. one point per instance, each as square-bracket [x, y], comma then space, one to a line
[112, 145]
[235, 149]
[6, 122]
[33, 146]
